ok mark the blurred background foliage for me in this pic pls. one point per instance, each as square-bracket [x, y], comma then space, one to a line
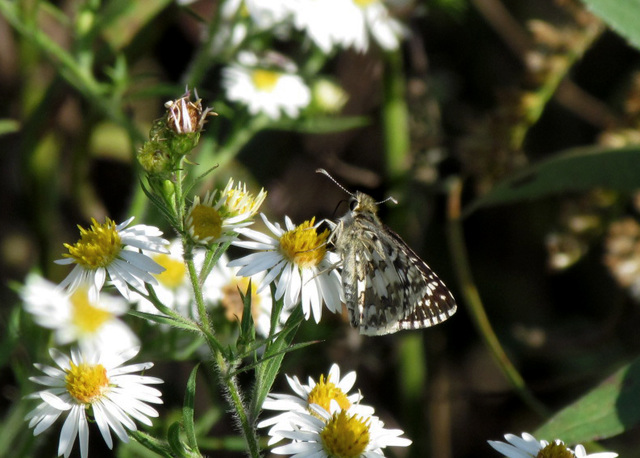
[466, 126]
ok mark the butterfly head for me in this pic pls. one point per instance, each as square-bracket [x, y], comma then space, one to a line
[362, 203]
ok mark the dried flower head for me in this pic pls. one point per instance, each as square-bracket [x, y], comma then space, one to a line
[185, 116]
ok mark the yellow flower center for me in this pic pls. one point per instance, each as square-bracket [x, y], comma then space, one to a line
[174, 273]
[264, 80]
[238, 201]
[345, 436]
[324, 392]
[206, 222]
[98, 246]
[364, 3]
[554, 450]
[84, 315]
[232, 301]
[303, 245]
[86, 382]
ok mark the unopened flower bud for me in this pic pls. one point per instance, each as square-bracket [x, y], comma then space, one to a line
[155, 158]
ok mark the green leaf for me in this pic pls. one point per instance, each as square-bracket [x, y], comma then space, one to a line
[188, 410]
[288, 349]
[610, 409]
[247, 328]
[151, 443]
[575, 170]
[173, 437]
[9, 126]
[621, 15]
[272, 360]
[161, 319]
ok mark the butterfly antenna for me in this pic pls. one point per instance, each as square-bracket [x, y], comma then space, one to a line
[387, 200]
[324, 172]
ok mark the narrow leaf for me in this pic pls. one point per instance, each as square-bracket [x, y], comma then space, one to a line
[272, 360]
[610, 409]
[188, 410]
[161, 319]
[574, 170]
[173, 438]
[151, 443]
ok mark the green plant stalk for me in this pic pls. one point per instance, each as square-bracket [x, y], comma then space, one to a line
[223, 366]
[474, 302]
[395, 117]
[235, 398]
[539, 99]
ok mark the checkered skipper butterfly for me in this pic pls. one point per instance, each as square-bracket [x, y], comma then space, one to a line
[387, 287]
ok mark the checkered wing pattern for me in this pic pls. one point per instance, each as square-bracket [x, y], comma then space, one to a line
[387, 286]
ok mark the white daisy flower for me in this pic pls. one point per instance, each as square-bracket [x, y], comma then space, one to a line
[222, 287]
[115, 250]
[347, 23]
[321, 434]
[529, 447]
[328, 390]
[97, 384]
[76, 317]
[220, 214]
[265, 90]
[298, 260]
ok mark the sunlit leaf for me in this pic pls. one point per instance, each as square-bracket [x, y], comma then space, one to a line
[621, 16]
[575, 170]
[610, 409]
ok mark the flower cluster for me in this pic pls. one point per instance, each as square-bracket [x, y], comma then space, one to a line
[322, 419]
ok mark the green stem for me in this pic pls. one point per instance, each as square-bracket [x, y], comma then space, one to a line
[395, 117]
[235, 397]
[474, 303]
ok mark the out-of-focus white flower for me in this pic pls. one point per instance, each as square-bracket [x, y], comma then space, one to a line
[93, 323]
[271, 91]
[223, 287]
[347, 23]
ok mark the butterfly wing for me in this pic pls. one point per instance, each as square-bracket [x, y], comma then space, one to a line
[388, 287]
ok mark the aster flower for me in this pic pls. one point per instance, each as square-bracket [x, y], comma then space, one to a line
[76, 317]
[328, 390]
[347, 23]
[339, 433]
[298, 260]
[114, 250]
[222, 287]
[529, 446]
[218, 216]
[95, 384]
[267, 90]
